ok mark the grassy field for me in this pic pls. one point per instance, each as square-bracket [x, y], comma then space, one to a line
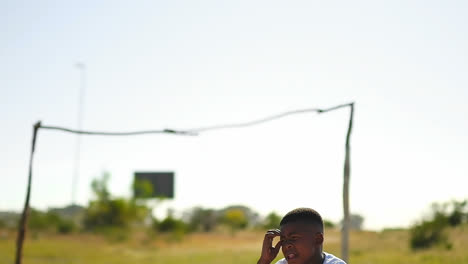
[366, 248]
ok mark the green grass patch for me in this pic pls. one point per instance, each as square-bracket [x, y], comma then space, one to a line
[391, 246]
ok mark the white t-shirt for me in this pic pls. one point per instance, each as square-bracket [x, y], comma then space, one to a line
[329, 259]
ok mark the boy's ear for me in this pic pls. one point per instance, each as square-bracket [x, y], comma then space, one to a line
[319, 238]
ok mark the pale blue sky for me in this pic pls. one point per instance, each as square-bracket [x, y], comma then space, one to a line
[185, 64]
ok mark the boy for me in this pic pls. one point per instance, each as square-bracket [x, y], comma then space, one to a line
[301, 240]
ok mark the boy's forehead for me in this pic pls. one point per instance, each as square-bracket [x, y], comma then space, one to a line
[297, 227]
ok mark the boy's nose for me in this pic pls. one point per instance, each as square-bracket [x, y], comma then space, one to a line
[287, 244]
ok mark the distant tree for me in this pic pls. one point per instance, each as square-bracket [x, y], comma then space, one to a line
[99, 187]
[201, 219]
[9, 219]
[106, 211]
[271, 221]
[49, 221]
[459, 213]
[328, 223]
[235, 219]
[72, 213]
[356, 222]
[252, 217]
[142, 189]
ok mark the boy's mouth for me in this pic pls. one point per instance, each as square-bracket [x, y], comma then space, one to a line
[290, 256]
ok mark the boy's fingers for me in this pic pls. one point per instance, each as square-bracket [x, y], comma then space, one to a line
[272, 233]
[269, 236]
[277, 246]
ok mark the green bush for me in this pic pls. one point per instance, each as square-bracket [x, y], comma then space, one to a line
[43, 220]
[171, 224]
[49, 221]
[37, 220]
[459, 214]
[432, 232]
[66, 226]
[427, 234]
[175, 228]
[155, 224]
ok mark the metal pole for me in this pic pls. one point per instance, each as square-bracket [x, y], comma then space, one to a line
[76, 171]
[24, 216]
[346, 175]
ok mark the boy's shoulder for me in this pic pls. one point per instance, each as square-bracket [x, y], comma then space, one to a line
[329, 259]
[282, 261]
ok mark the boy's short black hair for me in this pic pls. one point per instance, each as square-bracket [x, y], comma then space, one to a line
[303, 214]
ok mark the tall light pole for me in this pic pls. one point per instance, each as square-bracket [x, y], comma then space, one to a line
[76, 172]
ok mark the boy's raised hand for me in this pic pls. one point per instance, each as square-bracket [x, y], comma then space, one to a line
[269, 252]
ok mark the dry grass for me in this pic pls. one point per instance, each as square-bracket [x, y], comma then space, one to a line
[244, 247]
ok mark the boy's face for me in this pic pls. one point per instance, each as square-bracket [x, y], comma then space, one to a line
[301, 242]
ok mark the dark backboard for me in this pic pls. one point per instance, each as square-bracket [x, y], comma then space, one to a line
[162, 183]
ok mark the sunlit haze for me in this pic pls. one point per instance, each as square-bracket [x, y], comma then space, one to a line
[188, 64]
